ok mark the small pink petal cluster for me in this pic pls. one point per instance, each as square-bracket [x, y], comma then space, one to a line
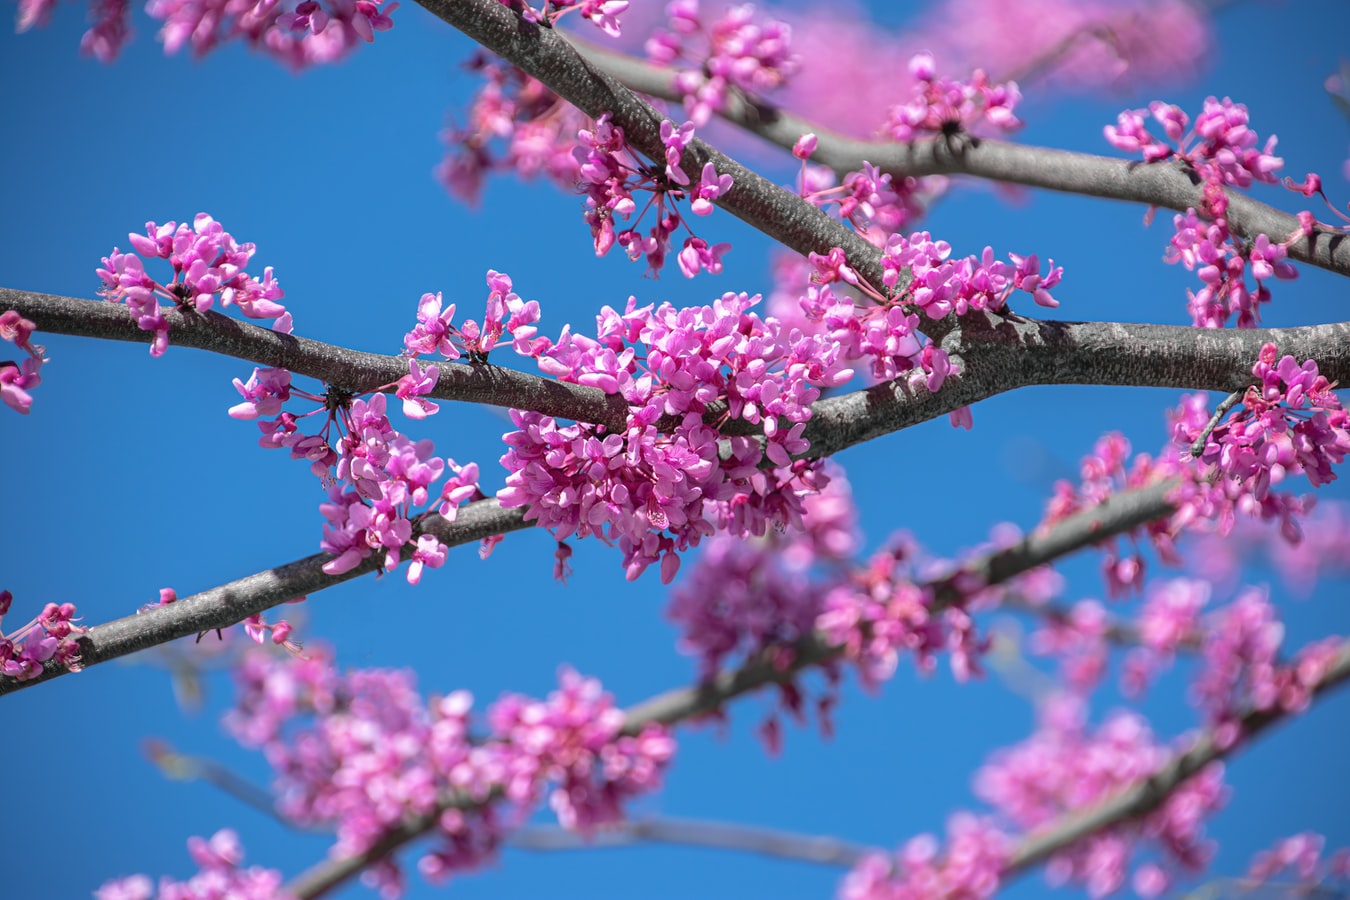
[1064, 768]
[1300, 857]
[603, 14]
[868, 199]
[1291, 424]
[298, 35]
[506, 313]
[18, 378]
[610, 173]
[949, 108]
[50, 636]
[1222, 261]
[363, 752]
[207, 262]
[1243, 670]
[220, 860]
[377, 476]
[1078, 641]
[671, 479]
[735, 52]
[1221, 150]
[940, 286]
[539, 130]
[975, 856]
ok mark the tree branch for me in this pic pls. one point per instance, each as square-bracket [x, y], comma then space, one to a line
[1166, 185]
[351, 369]
[229, 604]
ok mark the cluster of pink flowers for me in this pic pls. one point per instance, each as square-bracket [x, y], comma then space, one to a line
[940, 286]
[735, 52]
[506, 313]
[1221, 149]
[1064, 768]
[970, 867]
[207, 263]
[603, 14]
[363, 752]
[609, 173]
[672, 478]
[221, 875]
[49, 636]
[1290, 424]
[18, 378]
[869, 200]
[950, 107]
[304, 34]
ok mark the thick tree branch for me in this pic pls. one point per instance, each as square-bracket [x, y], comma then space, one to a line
[334, 365]
[231, 603]
[1166, 185]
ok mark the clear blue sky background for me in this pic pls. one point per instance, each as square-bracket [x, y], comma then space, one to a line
[128, 476]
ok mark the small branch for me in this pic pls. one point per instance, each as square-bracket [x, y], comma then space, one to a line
[231, 603]
[1198, 447]
[350, 369]
[1159, 184]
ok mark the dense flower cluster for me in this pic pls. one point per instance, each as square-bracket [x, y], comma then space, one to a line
[298, 35]
[18, 378]
[738, 51]
[363, 752]
[1221, 149]
[948, 107]
[671, 478]
[207, 263]
[221, 876]
[1064, 767]
[49, 636]
[610, 173]
[1290, 424]
[970, 867]
[1300, 857]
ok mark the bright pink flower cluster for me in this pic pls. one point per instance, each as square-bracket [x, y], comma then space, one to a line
[949, 108]
[18, 378]
[610, 173]
[49, 636]
[362, 752]
[736, 52]
[969, 869]
[1221, 150]
[1222, 262]
[603, 14]
[220, 860]
[207, 262]
[940, 286]
[1065, 768]
[506, 313]
[868, 199]
[671, 478]
[1291, 424]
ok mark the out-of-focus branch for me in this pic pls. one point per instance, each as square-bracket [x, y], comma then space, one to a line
[231, 603]
[1165, 185]
[1145, 796]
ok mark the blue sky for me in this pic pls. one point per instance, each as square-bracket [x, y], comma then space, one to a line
[128, 476]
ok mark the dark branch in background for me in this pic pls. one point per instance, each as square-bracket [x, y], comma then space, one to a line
[351, 369]
[1012, 353]
[231, 603]
[1166, 185]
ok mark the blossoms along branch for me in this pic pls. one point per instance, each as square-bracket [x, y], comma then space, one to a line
[696, 440]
